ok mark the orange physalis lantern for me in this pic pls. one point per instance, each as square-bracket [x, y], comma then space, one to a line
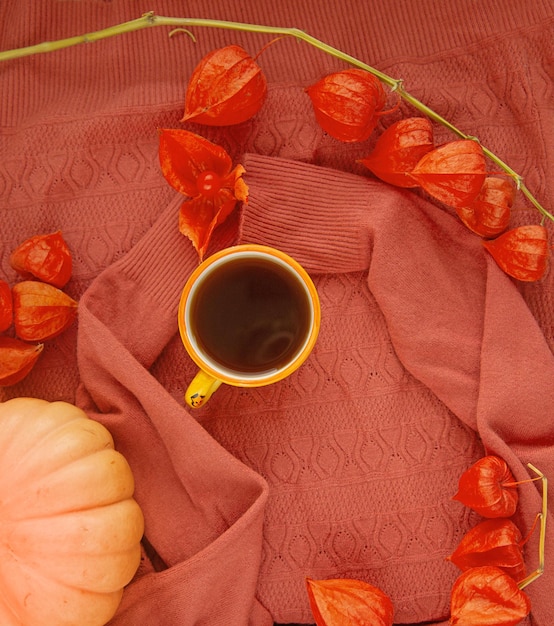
[201, 170]
[487, 596]
[17, 359]
[399, 149]
[522, 252]
[489, 214]
[347, 104]
[6, 306]
[41, 311]
[488, 488]
[46, 257]
[452, 173]
[227, 87]
[495, 542]
[347, 602]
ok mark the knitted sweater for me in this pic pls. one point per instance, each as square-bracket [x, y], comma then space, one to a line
[428, 356]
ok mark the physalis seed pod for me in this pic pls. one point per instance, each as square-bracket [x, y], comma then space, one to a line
[227, 87]
[522, 252]
[41, 311]
[45, 257]
[399, 149]
[487, 596]
[495, 542]
[6, 306]
[347, 104]
[452, 173]
[489, 214]
[488, 488]
[342, 601]
[17, 359]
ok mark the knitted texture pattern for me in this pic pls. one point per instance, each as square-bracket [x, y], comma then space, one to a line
[428, 355]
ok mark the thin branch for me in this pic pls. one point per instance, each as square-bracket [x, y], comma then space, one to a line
[542, 537]
[150, 19]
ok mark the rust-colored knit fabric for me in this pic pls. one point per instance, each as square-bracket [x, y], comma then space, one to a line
[428, 354]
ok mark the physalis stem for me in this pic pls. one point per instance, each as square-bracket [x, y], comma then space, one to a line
[542, 536]
[150, 19]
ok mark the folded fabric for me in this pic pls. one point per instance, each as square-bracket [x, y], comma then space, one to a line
[346, 468]
[428, 355]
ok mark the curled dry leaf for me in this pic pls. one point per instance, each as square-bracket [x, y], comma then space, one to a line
[46, 257]
[347, 602]
[41, 311]
[489, 214]
[17, 359]
[521, 252]
[398, 150]
[6, 306]
[487, 596]
[452, 173]
[495, 542]
[201, 170]
[347, 104]
[488, 488]
[227, 87]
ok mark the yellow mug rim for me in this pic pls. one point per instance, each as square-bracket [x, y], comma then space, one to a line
[273, 377]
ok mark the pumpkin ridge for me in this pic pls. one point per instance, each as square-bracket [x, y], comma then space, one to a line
[44, 441]
[46, 572]
[96, 598]
[70, 529]
[102, 477]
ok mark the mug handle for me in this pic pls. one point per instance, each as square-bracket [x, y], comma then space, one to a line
[200, 389]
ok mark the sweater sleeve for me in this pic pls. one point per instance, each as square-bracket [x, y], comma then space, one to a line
[203, 509]
[456, 321]
[452, 317]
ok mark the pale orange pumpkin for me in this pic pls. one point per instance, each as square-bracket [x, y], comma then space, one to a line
[70, 529]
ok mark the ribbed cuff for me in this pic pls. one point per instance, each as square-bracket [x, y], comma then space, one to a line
[319, 216]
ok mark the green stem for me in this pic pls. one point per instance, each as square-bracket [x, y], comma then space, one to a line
[542, 536]
[150, 19]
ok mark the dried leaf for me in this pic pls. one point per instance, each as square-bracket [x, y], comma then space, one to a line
[489, 214]
[347, 602]
[17, 359]
[495, 542]
[487, 596]
[398, 150]
[521, 252]
[487, 488]
[41, 311]
[6, 306]
[227, 87]
[46, 257]
[452, 173]
[347, 104]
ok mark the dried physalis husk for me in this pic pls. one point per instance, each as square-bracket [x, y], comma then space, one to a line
[46, 257]
[227, 87]
[348, 104]
[489, 214]
[522, 252]
[348, 602]
[495, 542]
[452, 173]
[17, 359]
[6, 306]
[488, 487]
[41, 311]
[399, 149]
[487, 596]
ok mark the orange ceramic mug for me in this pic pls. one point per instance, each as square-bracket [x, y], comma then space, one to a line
[249, 316]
